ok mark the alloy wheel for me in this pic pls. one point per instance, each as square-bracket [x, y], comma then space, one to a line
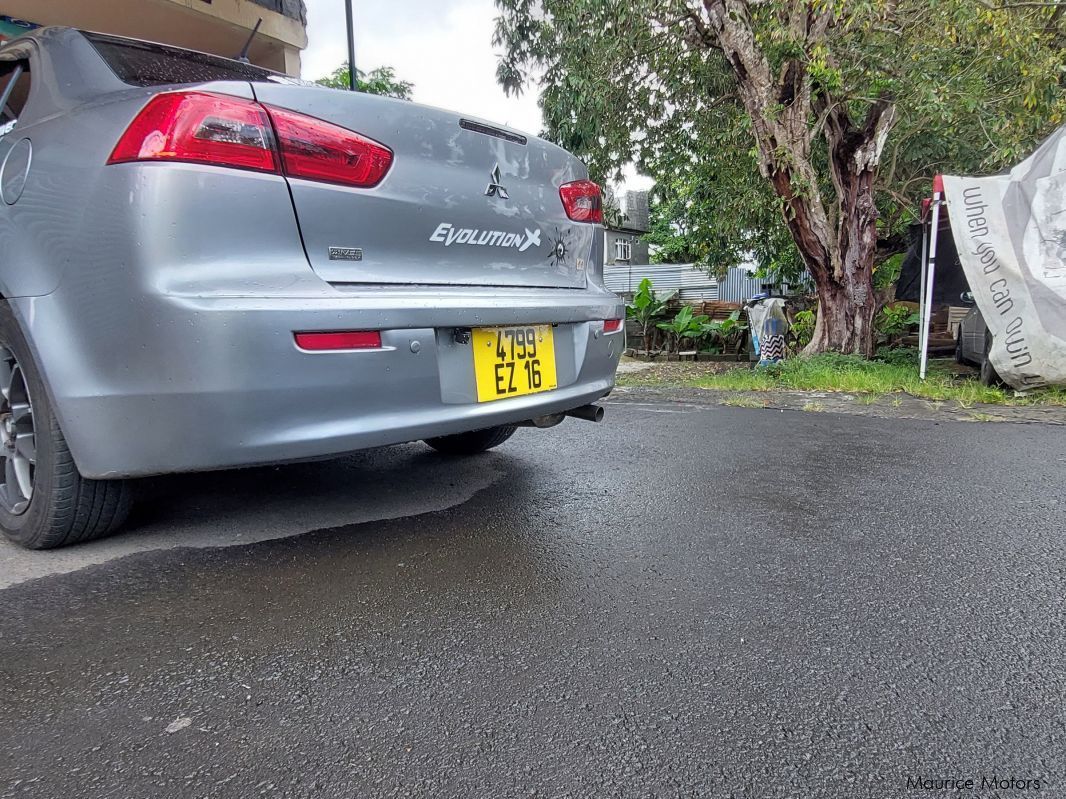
[18, 439]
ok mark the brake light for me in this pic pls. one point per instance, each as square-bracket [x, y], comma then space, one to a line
[318, 150]
[612, 325]
[339, 340]
[231, 131]
[582, 201]
[201, 128]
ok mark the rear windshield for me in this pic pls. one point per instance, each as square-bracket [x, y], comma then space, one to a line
[146, 64]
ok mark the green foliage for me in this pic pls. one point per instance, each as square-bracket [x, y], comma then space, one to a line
[646, 309]
[898, 356]
[685, 326]
[887, 272]
[381, 81]
[832, 372]
[671, 233]
[855, 375]
[705, 334]
[975, 86]
[894, 322]
[802, 329]
[724, 334]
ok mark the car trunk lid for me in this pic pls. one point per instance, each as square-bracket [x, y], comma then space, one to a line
[463, 203]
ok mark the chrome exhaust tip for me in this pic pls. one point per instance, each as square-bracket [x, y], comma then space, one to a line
[590, 413]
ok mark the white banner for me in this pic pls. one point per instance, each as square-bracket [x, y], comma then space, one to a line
[1010, 231]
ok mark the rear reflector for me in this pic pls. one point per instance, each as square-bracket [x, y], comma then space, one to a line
[339, 340]
[201, 128]
[612, 325]
[217, 129]
[318, 150]
[582, 201]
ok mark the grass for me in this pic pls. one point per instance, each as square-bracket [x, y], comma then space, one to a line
[741, 401]
[853, 375]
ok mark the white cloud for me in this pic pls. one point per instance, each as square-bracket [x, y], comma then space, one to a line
[444, 47]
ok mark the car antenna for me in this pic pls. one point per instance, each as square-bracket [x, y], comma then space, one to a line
[243, 57]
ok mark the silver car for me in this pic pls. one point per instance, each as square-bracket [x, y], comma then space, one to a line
[208, 265]
[973, 342]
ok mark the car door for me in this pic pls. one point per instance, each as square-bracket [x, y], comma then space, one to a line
[973, 336]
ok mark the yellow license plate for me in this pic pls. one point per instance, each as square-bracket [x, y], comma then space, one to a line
[512, 361]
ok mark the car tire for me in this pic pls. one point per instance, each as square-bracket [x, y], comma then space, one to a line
[989, 376]
[959, 358]
[44, 501]
[473, 442]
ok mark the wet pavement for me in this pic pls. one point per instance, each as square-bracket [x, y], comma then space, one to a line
[687, 600]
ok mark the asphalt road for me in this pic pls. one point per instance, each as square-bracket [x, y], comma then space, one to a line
[682, 601]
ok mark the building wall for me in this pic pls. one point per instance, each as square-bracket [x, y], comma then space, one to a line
[638, 248]
[634, 206]
[219, 26]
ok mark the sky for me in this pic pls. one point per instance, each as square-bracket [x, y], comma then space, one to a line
[443, 47]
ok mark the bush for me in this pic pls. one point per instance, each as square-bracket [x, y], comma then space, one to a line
[898, 356]
[803, 329]
[894, 322]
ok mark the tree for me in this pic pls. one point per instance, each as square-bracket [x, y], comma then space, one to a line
[381, 81]
[797, 131]
[671, 235]
[688, 226]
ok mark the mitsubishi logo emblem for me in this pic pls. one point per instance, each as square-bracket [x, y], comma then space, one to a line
[494, 189]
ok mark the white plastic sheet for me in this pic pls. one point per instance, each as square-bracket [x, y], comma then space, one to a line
[1010, 231]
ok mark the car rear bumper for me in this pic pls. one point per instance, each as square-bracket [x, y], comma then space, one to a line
[174, 384]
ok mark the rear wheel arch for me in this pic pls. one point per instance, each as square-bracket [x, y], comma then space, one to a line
[45, 502]
[40, 361]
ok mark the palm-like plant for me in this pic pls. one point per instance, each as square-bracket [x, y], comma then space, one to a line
[686, 325]
[721, 334]
[646, 308]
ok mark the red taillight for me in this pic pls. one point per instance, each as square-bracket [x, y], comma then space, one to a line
[231, 131]
[582, 201]
[202, 128]
[318, 150]
[339, 340]
[612, 325]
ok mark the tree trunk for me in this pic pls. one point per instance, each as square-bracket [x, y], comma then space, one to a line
[837, 248]
[844, 325]
[846, 299]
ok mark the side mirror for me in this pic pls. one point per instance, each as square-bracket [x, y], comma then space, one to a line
[967, 298]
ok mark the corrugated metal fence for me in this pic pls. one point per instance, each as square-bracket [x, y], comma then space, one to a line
[739, 286]
[693, 284]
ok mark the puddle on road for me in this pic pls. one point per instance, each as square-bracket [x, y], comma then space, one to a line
[234, 508]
